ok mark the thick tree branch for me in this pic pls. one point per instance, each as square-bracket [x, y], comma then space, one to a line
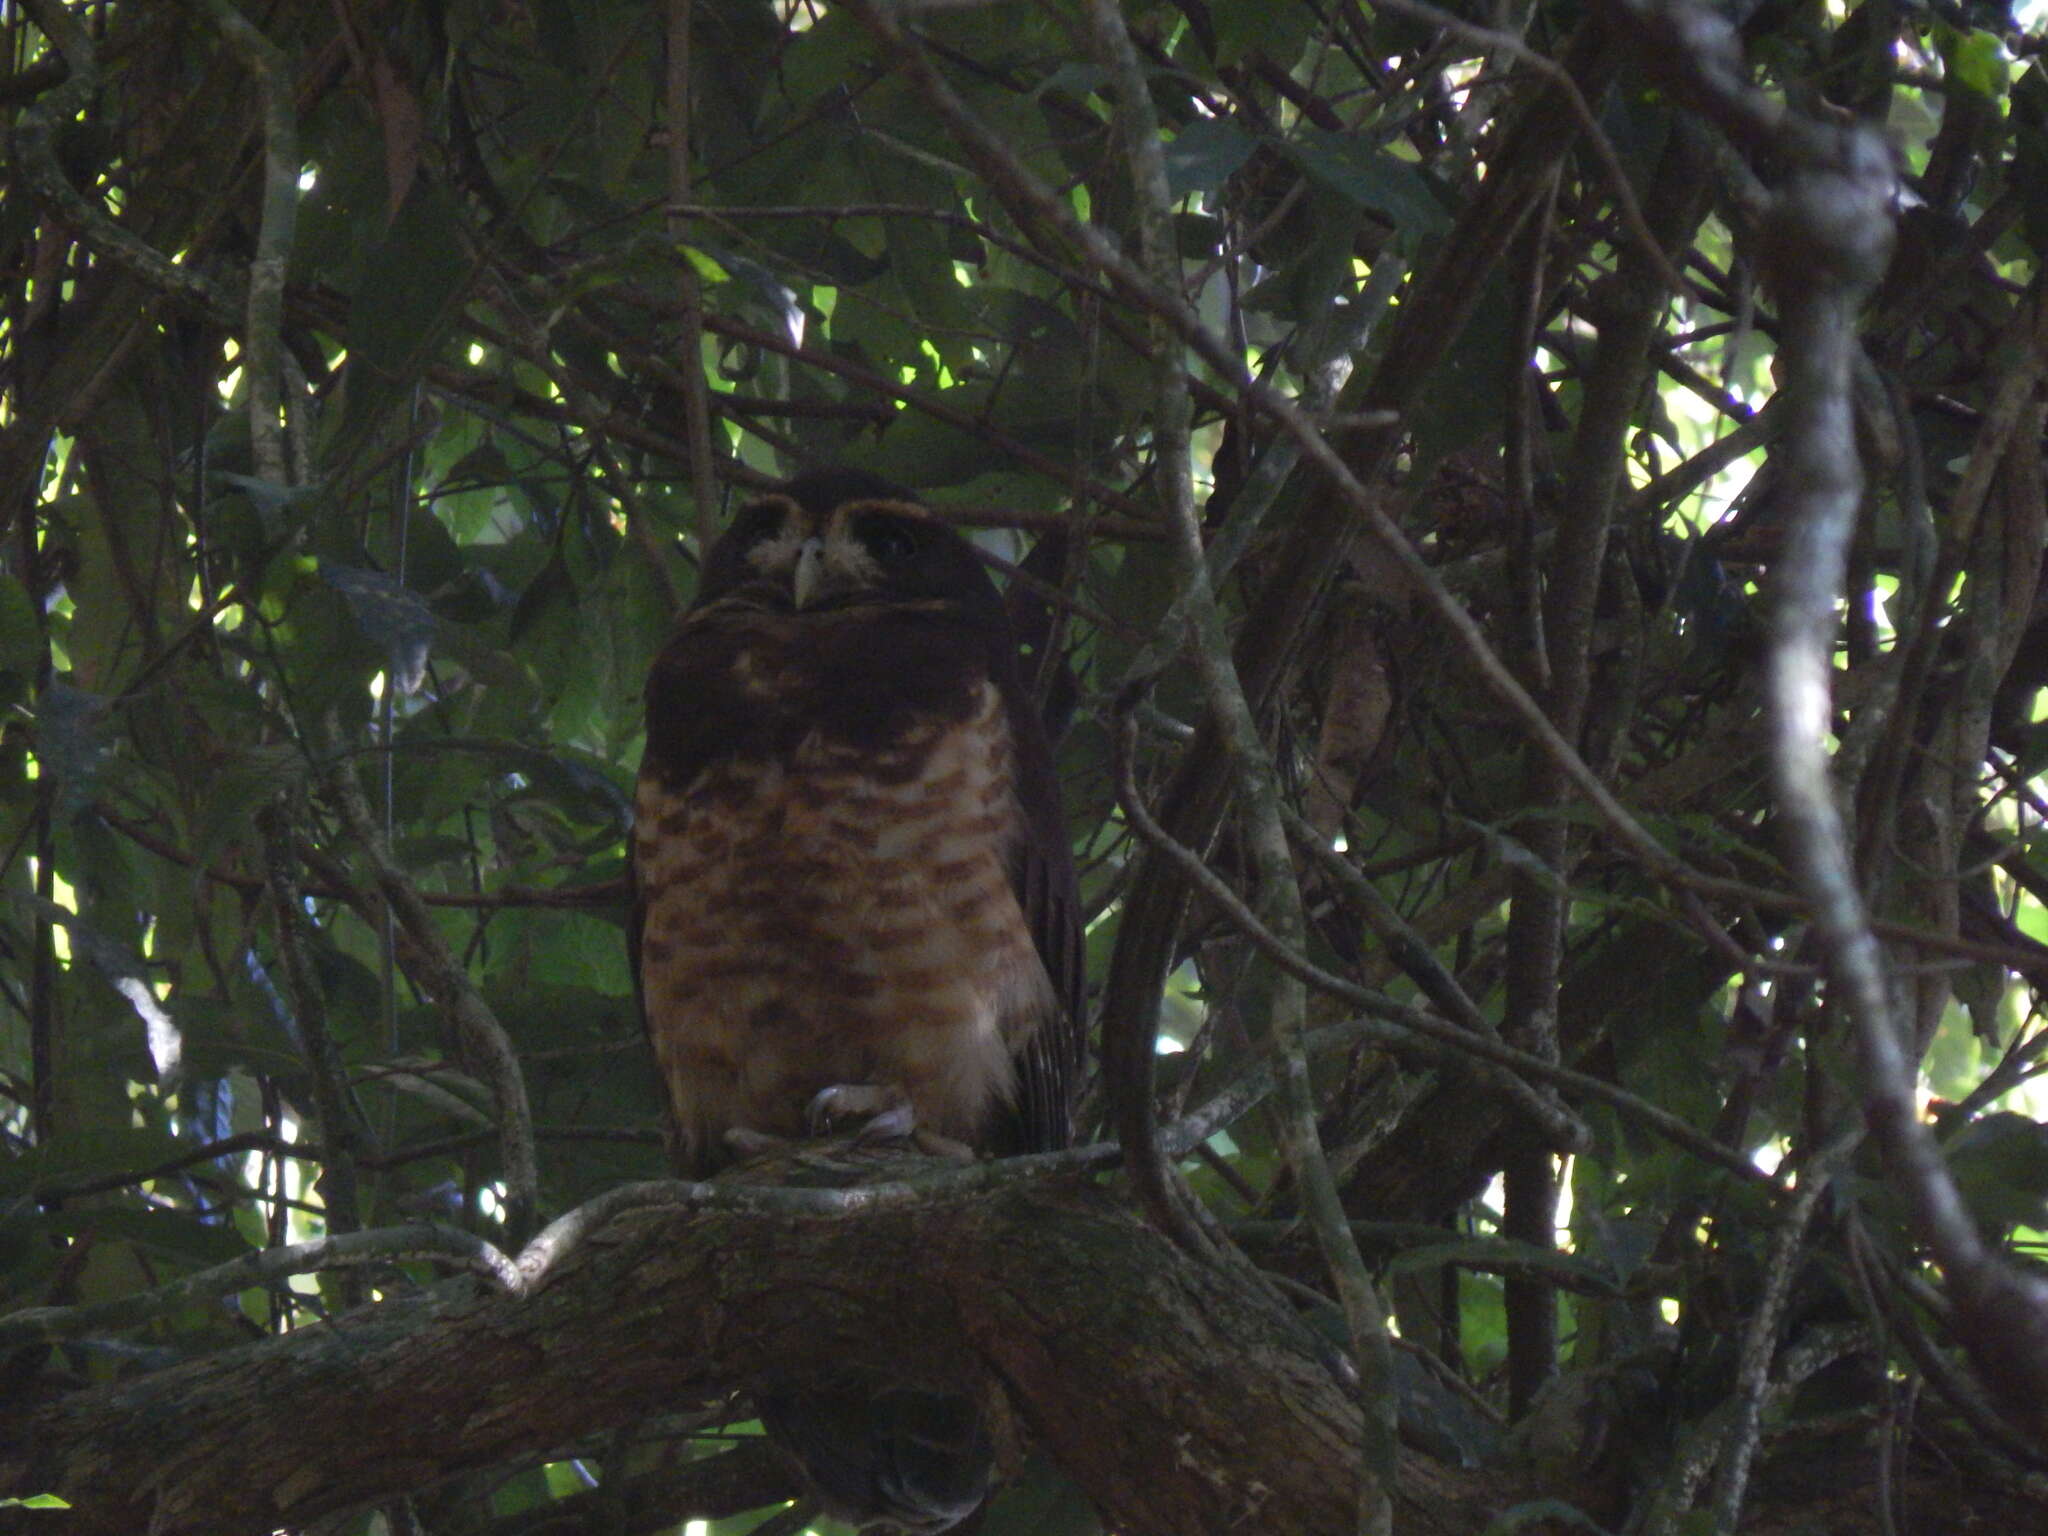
[1182, 1401]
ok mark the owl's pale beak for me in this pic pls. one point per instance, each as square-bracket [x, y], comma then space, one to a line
[810, 573]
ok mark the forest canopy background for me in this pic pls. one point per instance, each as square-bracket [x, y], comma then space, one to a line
[1529, 518]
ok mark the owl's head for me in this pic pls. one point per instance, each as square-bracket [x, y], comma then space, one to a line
[834, 539]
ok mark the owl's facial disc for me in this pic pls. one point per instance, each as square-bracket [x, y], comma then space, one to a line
[866, 549]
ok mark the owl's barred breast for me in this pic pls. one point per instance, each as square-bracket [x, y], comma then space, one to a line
[838, 912]
[851, 872]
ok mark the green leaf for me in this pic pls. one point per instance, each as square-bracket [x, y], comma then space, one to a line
[1978, 59]
[1437, 1420]
[1201, 157]
[1273, 29]
[179, 1235]
[21, 641]
[391, 615]
[404, 297]
[73, 735]
[706, 264]
[1357, 169]
[2000, 1163]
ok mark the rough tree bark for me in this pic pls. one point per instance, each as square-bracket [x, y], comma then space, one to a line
[1181, 1398]
[1182, 1401]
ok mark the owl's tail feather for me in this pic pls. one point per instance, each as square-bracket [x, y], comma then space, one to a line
[886, 1458]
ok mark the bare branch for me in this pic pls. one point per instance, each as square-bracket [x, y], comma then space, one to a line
[262, 346]
[696, 407]
[1399, 1020]
[383, 1245]
[443, 978]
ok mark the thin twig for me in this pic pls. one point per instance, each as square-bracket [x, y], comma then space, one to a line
[381, 1245]
[733, 214]
[1562, 1130]
[1258, 783]
[604, 893]
[34, 145]
[329, 1101]
[1403, 1024]
[1641, 240]
[689, 288]
[262, 343]
[51, 1191]
[442, 977]
[1760, 1336]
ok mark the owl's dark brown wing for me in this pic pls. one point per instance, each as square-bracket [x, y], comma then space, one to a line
[1042, 875]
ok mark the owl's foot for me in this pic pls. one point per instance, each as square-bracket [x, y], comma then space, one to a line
[884, 1108]
[745, 1143]
[887, 1115]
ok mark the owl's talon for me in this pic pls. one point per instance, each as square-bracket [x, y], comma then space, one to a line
[885, 1108]
[746, 1143]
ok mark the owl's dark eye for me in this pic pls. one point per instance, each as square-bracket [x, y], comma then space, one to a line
[762, 520]
[890, 540]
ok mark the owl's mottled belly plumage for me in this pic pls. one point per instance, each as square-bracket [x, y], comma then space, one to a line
[840, 913]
